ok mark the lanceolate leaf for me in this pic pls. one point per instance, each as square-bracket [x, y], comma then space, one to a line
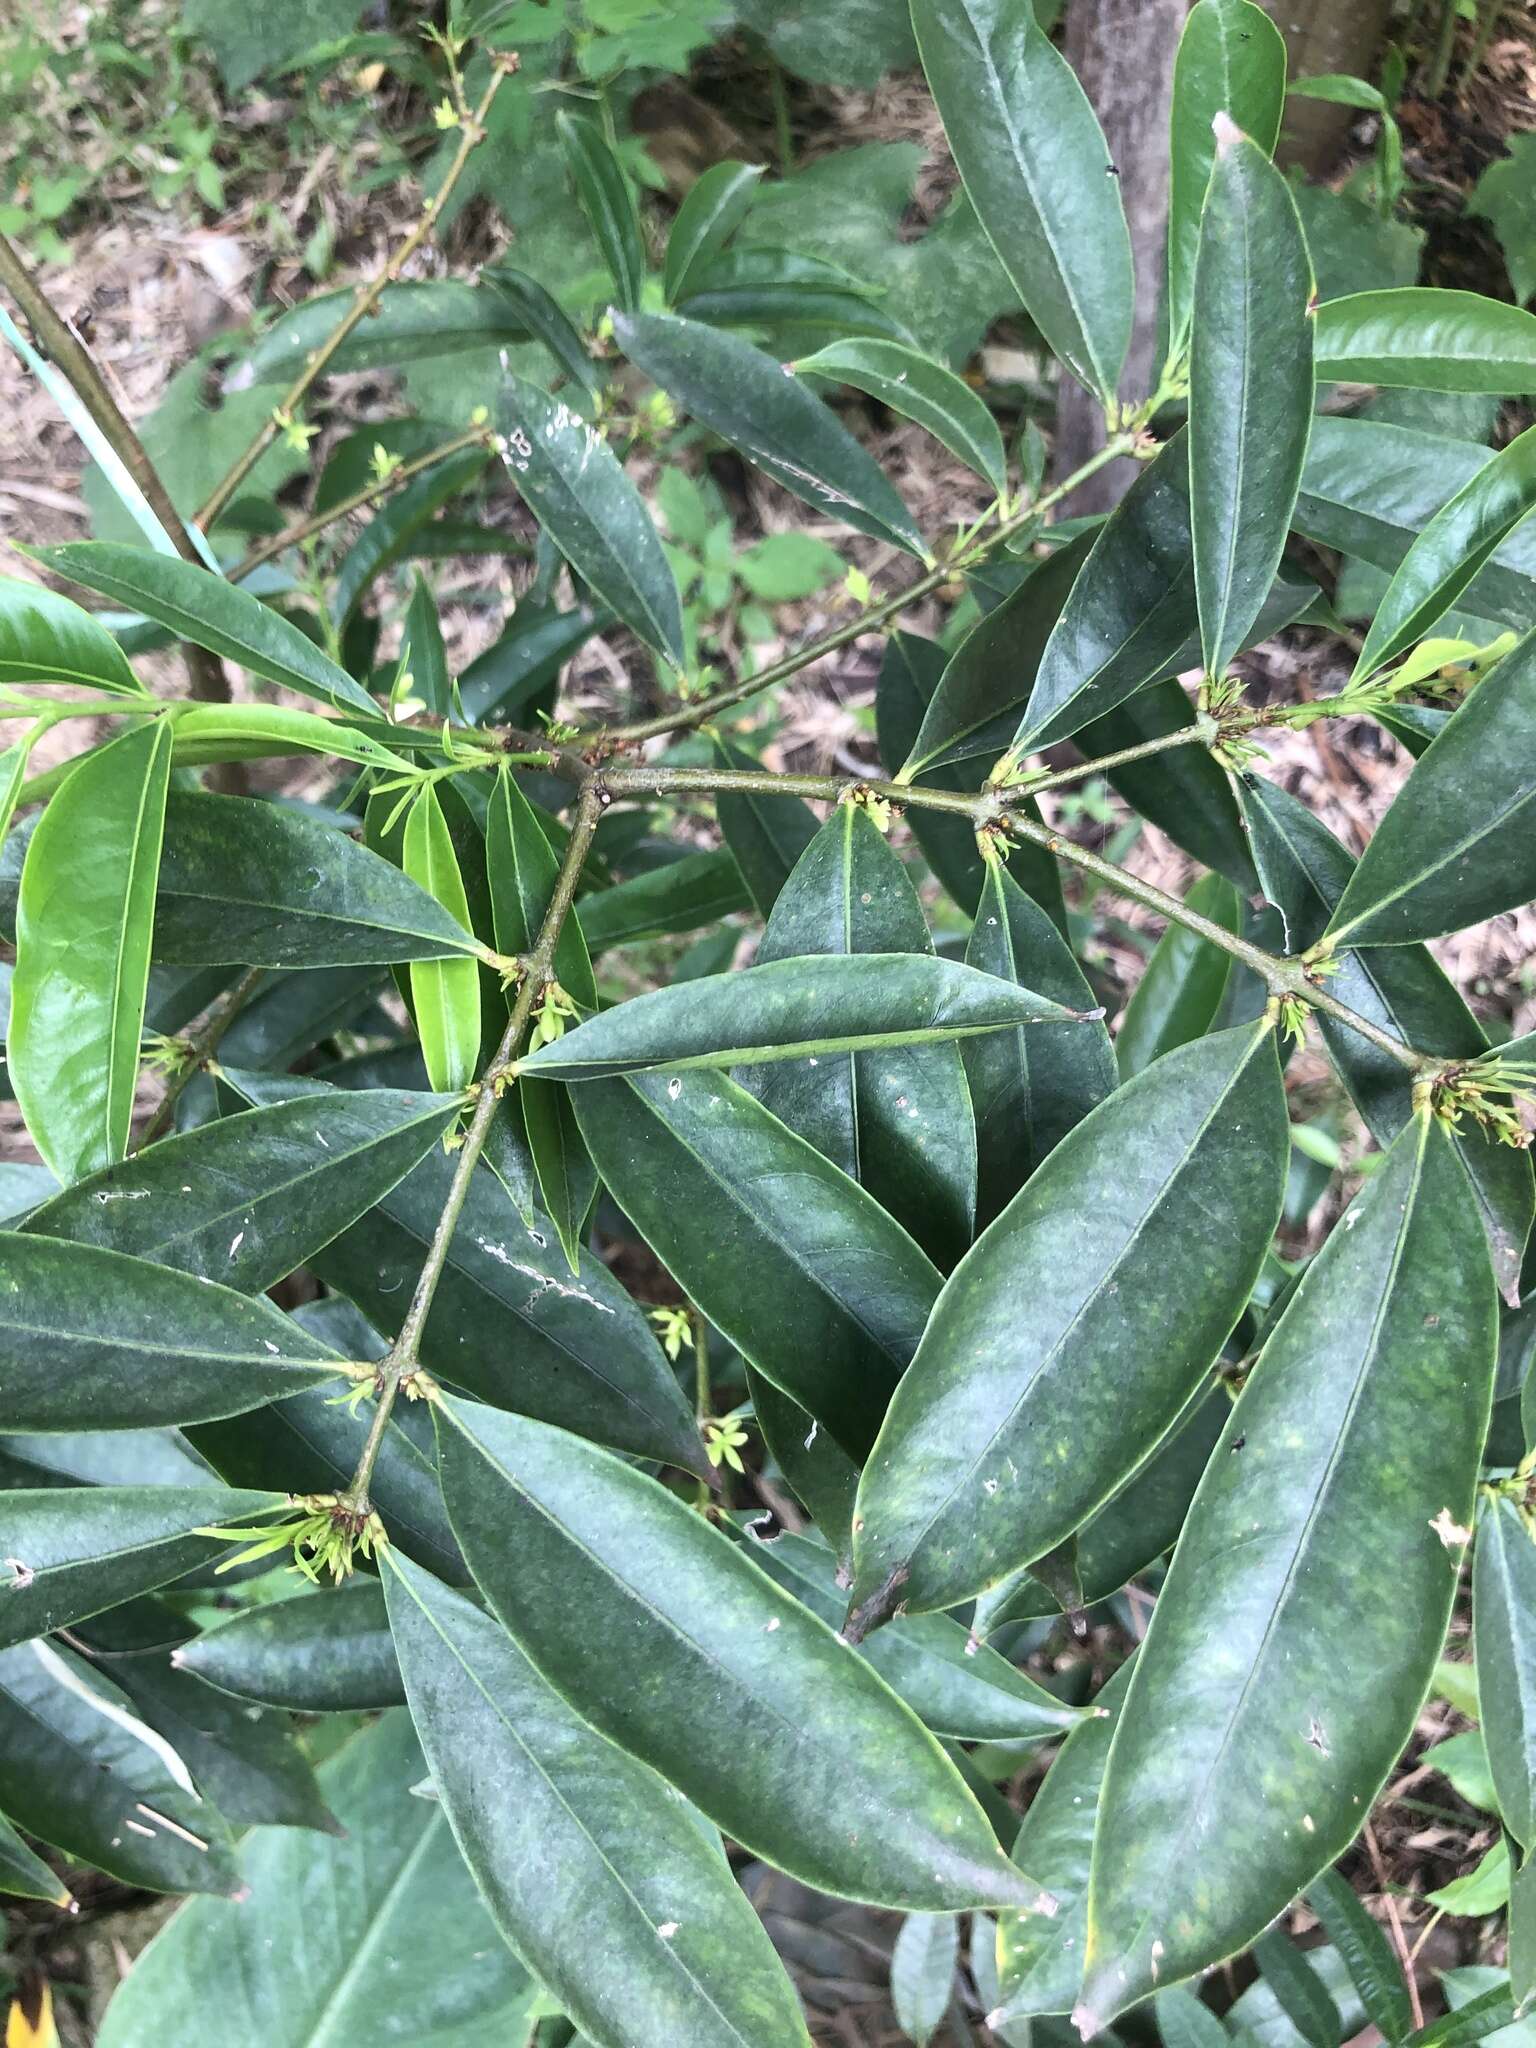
[608, 201]
[1039, 1961]
[1263, 1748]
[1180, 991]
[1429, 339]
[24, 1875]
[351, 1922]
[544, 318]
[445, 994]
[1250, 389]
[82, 952]
[1447, 555]
[744, 396]
[1070, 1337]
[77, 1771]
[589, 1863]
[679, 897]
[414, 321]
[1457, 845]
[921, 390]
[46, 639]
[246, 1199]
[816, 1468]
[1231, 60]
[752, 1707]
[955, 1686]
[92, 1339]
[202, 608]
[320, 1653]
[716, 206]
[789, 1009]
[580, 495]
[77, 1549]
[923, 1972]
[1028, 1087]
[422, 646]
[766, 834]
[802, 1270]
[244, 883]
[1402, 988]
[988, 679]
[1374, 1969]
[1038, 173]
[1504, 1619]
[893, 1112]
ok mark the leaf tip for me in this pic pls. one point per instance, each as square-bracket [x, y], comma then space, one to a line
[1227, 134]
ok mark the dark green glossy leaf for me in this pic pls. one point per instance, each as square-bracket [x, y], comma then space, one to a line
[806, 1275]
[24, 1875]
[414, 321]
[766, 834]
[1028, 1088]
[1270, 1754]
[715, 207]
[542, 315]
[245, 883]
[445, 994]
[909, 676]
[46, 639]
[202, 608]
[392, 527]
[75, 1550]
[1231, 60]
[376, 1935]
[1504, 1613]
[1370, 489]
[819, 1472]
[1180, 993]
[921, 390]
[831, 1003]
[896, 1116]
[956, 1686]
[1373, 1965]
[318, 1653]
[1039, 1961]
[83, 923]
[1132, 1529]
[578, 492]
[248, 1763]
[516, 671]
[591, 1866]
[1447, 555]
[923, 1973]
[510, 1322]
[751, 1706]
[1402, 988]
[76, 1772]
[1457, 846]
[608, 200]
[743, 396]
[566, 1175]
[677, 897]
[1071, 1336]
[1250, 389]
[1429, 339]
[246, 1199]
[790, 296]
[1479, 2019]
[1037, 171]
[92, 1339]
[989, 677]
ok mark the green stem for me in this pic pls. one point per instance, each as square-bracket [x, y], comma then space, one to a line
[471, 134]
[782, 132]
[684, 717]
[404, 1354]
[1439, 72]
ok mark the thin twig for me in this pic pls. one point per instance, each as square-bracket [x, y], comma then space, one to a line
[404, 1354]
[200, 1048]
[1399, 1939]
[471, 134]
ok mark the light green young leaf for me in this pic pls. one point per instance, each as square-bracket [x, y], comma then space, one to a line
[923, 1973]
[1429, 339]
[920, 390]
[46, 639]
[776, 423]
[1037, 170]
[83, 924]
[200, 607]
[752, 1707]
[1250, 389]
[1231, 60]
[445, 994]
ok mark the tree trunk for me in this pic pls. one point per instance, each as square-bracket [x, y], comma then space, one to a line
[1122, 50]
[1323, 36]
